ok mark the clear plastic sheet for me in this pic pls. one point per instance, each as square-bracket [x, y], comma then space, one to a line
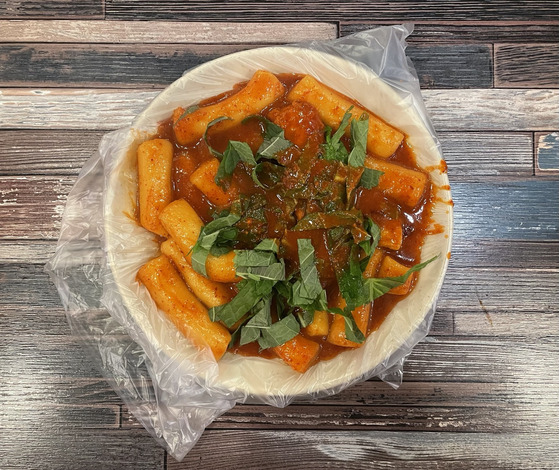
[172, 388]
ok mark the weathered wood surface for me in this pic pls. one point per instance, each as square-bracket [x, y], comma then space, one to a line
[468, 32]
[75, 9]
[479, 392]
[527, 65]
[309, 10]
[107, 109]
[126, 65]
[161, 32]
[367, 449]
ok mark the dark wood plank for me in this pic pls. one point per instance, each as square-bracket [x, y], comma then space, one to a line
[23, 413]
[454, 66]
[527, 65]
[38, 443]
[502, 209]
[74, 9]
[468, 154]
[469, 32]
[160, 32]
[351, 450]
[107, 109]
[350, 10]
[122, 65]
[547, 153]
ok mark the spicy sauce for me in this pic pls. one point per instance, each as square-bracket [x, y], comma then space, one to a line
[307, 184]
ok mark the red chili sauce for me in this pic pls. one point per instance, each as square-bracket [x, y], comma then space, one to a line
[302, 179]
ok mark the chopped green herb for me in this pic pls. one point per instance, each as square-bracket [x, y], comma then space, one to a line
[322, 220]
[250, 293]
[213, 123]
[217, 234]
[370, 178]
[333, 148]
[359, 130]
[374, 236]
[280, 332]
[187, 111]
[274, 138]
[308, 288]
[378, 286]
[234, 153]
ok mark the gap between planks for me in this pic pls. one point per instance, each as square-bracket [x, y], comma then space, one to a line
[162, 32]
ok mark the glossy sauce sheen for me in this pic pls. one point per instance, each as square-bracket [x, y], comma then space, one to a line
[298, 161]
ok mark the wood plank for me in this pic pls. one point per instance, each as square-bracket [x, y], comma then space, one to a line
[451, 110]
[53, 9]
[353, 450]
[60, 391]
[39, 152]
[123, 65]
[468, 154]
[162, 32]
[442, 66]
[527, 65]
[494, 291]
[512, 254]
[547, 153]
[468, 32]
[492, 418]
[70, 446]
[351, 10]
[22, 413]
[452, 66]
[536, 324]
[504, 209]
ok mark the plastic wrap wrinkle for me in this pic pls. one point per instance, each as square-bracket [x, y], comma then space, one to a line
[174, 389]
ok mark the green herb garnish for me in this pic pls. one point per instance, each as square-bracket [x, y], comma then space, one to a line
[215, 235]
[359, 130]
[370, 178]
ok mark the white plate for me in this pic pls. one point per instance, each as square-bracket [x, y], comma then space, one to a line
[129, 246]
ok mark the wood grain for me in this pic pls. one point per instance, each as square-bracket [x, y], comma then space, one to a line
[451, 110]
[469, 155]
[493, 418]
[126, 65]
[527, 65]
[352, 450]
[161, 32]
[76, 9]
[469, 32]
[40, 152]
[351, 10]
[472, 155]
[25, 445]
[547, 153]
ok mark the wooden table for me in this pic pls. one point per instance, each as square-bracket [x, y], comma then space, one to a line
[482, 391]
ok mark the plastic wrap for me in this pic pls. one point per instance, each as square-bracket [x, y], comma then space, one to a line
[174, 389]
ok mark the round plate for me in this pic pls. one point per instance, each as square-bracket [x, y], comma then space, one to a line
[128, 246]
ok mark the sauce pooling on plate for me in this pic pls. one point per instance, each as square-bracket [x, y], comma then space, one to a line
[293, 219]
